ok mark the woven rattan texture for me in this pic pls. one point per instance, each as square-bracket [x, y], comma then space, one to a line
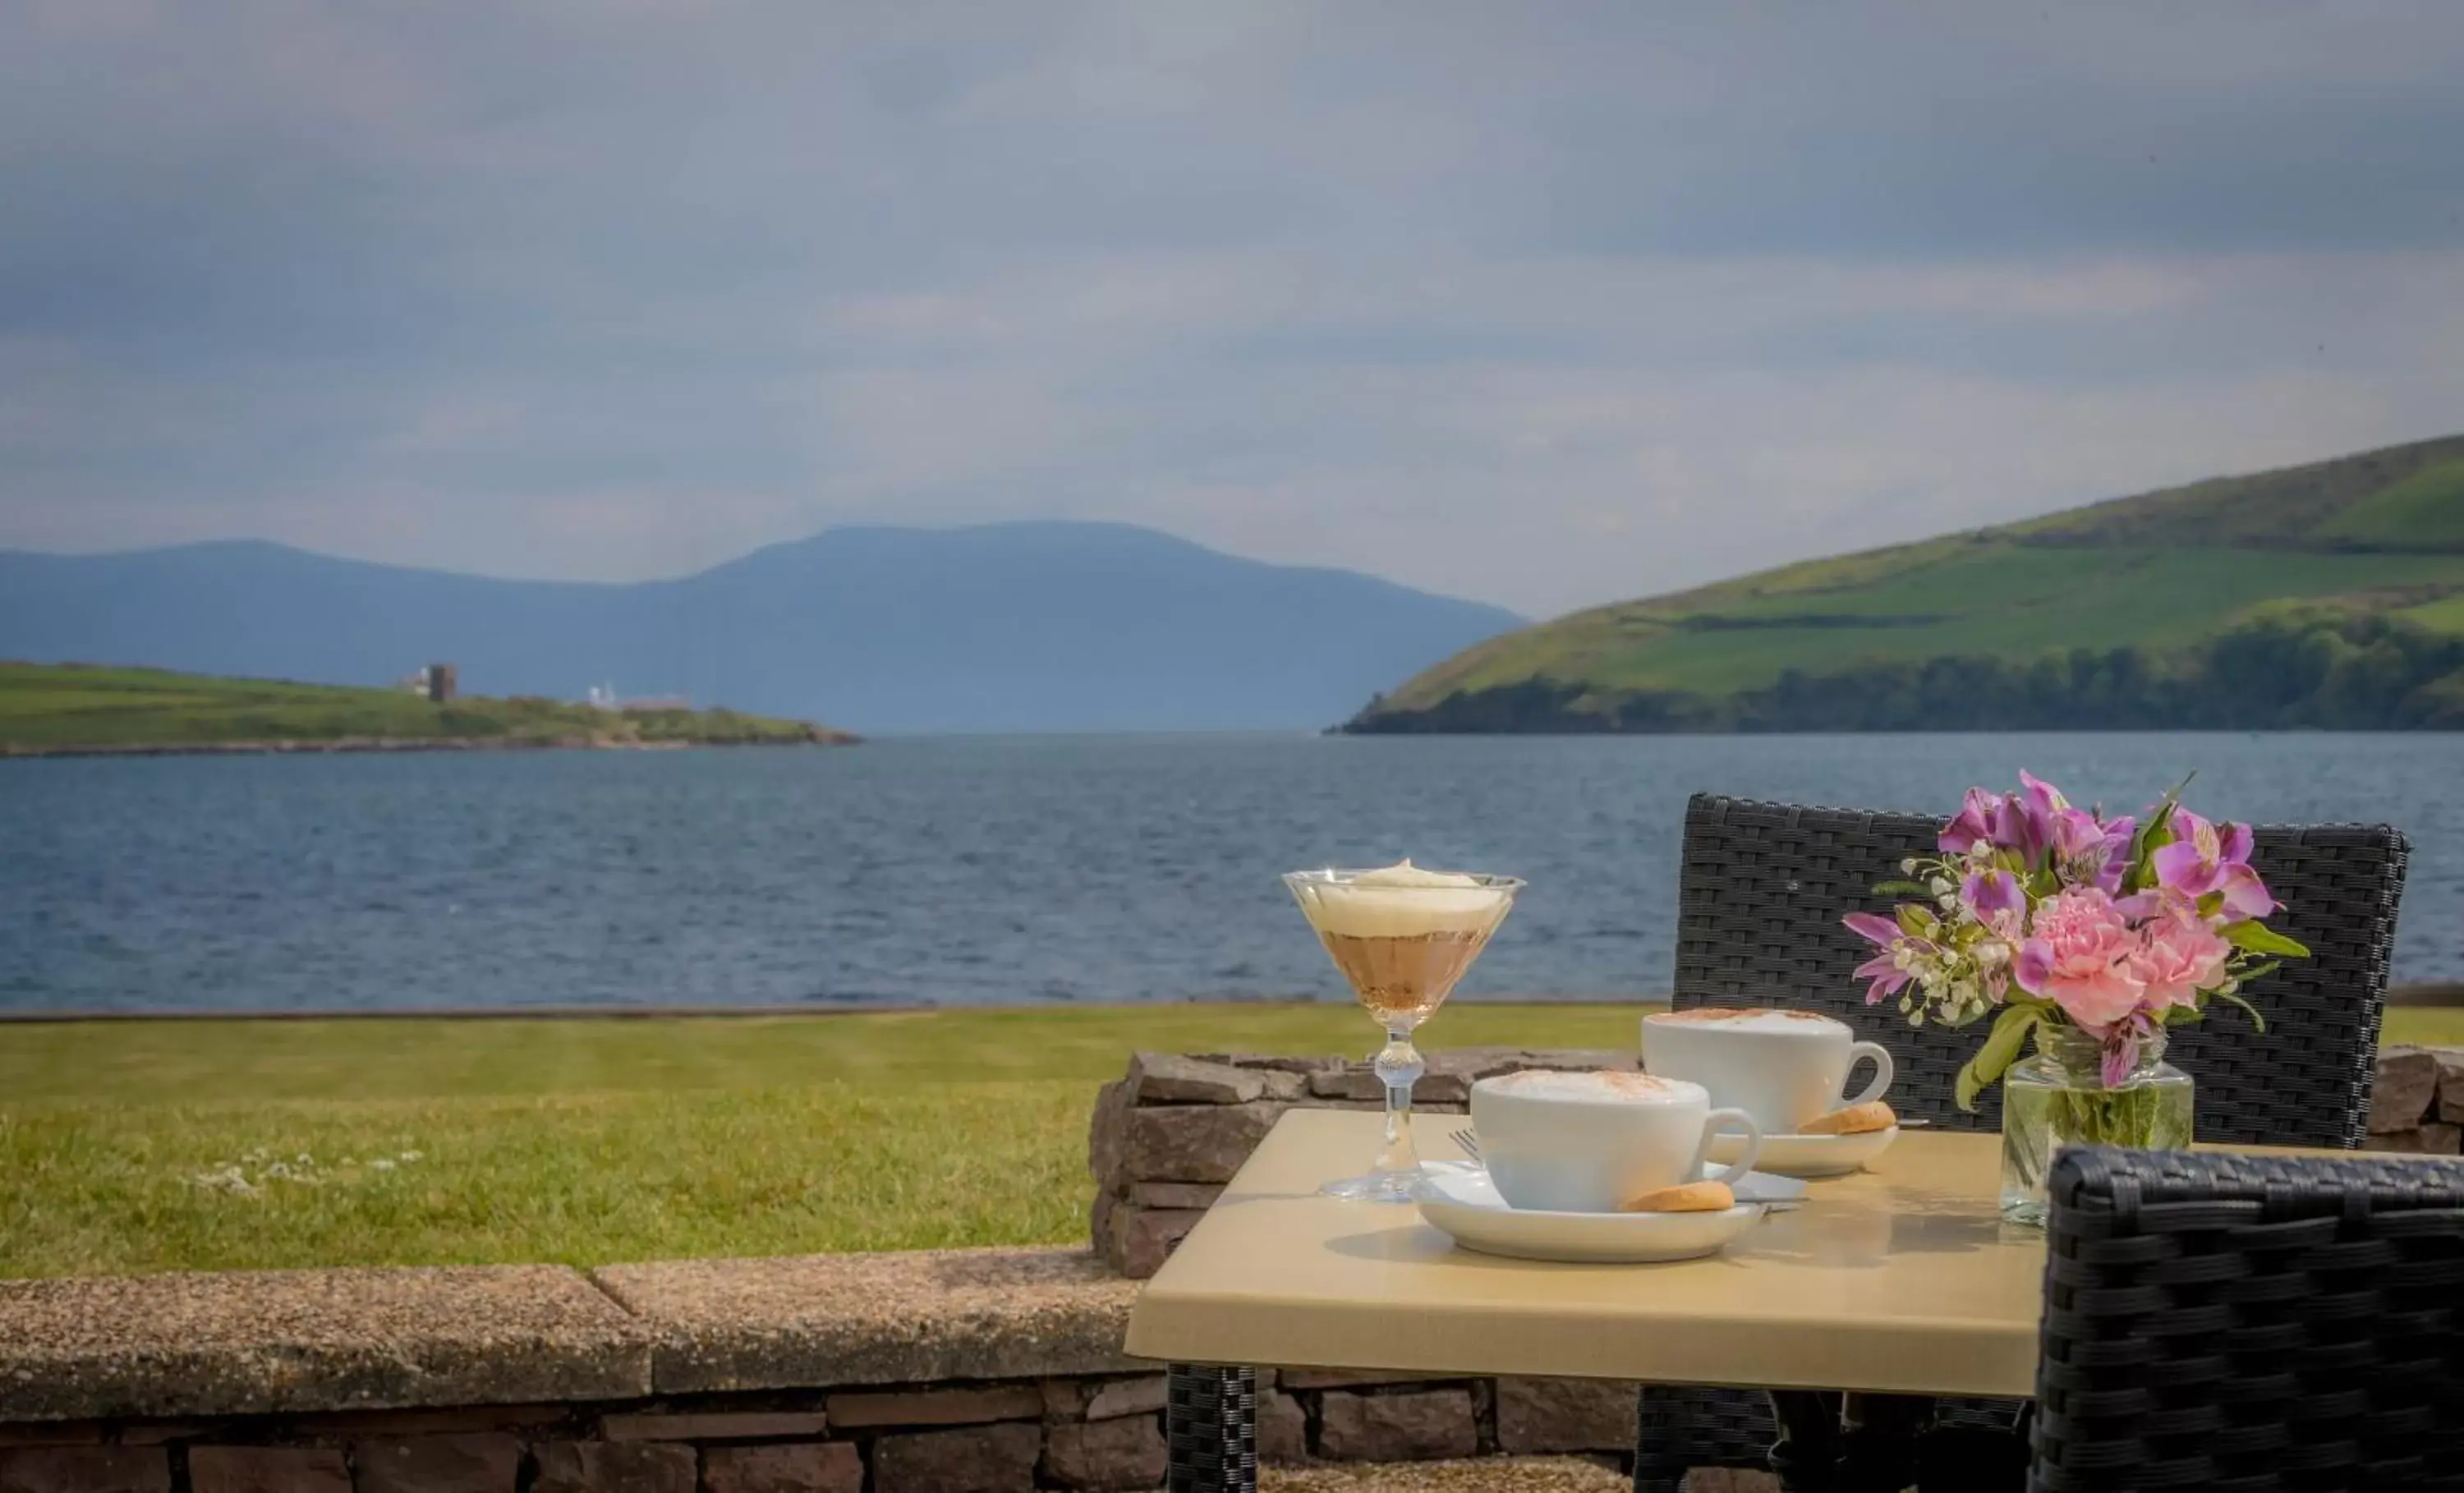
[1761, 891]
[1211, 1430]
[2251, 1324]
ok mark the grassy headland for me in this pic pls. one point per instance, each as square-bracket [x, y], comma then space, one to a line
[67, 708]
[592, 1141]
[2327, 595]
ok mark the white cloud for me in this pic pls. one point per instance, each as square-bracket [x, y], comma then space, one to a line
[1550, 309]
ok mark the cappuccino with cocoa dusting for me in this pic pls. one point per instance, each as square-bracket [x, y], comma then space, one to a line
[1590, 1142]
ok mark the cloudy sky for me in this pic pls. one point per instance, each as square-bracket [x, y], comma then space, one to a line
[1546, 305]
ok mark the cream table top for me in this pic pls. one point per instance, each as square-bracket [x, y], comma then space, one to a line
[1902, 1278]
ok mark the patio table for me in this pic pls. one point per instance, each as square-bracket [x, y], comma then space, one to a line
[1901, 1278]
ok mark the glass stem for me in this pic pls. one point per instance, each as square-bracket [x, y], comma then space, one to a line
[1399, 1065]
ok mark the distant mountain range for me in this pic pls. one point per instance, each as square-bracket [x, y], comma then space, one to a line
[1017, 626]
[2327, 595]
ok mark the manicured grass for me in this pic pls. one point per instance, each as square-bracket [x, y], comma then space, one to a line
[69, 705]
[592, 1141]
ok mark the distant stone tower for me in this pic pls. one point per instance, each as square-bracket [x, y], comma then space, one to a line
[441, 682]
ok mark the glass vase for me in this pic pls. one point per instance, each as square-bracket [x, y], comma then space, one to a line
[2059, 1098]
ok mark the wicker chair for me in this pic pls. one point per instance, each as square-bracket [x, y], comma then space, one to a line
[1761, 891]
[2250, 1323]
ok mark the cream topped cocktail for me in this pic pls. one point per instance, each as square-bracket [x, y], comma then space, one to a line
[1403, 936]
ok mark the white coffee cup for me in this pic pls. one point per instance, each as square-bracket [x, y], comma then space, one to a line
[1589, 1142]
[1783, 1068]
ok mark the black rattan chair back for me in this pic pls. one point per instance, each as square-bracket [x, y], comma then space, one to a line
[1761, 891]
[2250, 1323]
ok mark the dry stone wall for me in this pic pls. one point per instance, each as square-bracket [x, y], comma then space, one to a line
[2418, 1103]
[1087, 1433]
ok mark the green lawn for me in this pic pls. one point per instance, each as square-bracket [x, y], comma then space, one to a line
[593, 1141]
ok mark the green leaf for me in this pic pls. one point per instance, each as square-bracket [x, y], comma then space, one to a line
[2153, 836]
[1902, 889]
[2258, 1022]
[2257, 938]
[2001, 1048]
[1915, 921]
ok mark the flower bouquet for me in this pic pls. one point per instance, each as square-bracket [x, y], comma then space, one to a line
[2092, 935]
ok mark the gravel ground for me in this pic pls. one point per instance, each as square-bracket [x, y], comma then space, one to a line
[1486, 1475]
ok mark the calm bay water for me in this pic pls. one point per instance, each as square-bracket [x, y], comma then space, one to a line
[967, 871]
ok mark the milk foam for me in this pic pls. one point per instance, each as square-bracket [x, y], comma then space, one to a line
[1404, 901]
[1746, 1021]
[1608, 1088]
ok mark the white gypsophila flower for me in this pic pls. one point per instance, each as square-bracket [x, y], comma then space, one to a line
[381, 1164]
[410, 1156]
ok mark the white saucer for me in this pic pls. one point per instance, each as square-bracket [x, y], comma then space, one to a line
[1809, 1155]
[1460, 1202]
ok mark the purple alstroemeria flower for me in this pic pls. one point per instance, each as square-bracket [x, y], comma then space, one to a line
[1883, 969]
[2119, 834]
[1998, 900]
[2088, 852]
[1974, 824]
[2034, 809]
[2207, 858]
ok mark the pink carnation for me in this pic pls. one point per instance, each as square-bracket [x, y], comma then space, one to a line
[2181, 956]
[2080, 956]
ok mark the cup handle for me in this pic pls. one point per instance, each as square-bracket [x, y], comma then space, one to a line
[1882, 1057]
[1728, 1119]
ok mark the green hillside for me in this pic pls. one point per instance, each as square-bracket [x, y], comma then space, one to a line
[2324, 595]
[63, 707]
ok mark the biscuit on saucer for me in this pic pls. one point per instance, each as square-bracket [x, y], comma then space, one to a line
[1684, 1198]
[1858, 1119]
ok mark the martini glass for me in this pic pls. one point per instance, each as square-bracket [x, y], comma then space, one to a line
[1402, 937]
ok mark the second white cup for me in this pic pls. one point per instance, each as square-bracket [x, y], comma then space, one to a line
[1783, 1068]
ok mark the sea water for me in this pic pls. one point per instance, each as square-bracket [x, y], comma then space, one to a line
[977, 870]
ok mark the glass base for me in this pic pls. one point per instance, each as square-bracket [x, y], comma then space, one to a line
[1374, 1187]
